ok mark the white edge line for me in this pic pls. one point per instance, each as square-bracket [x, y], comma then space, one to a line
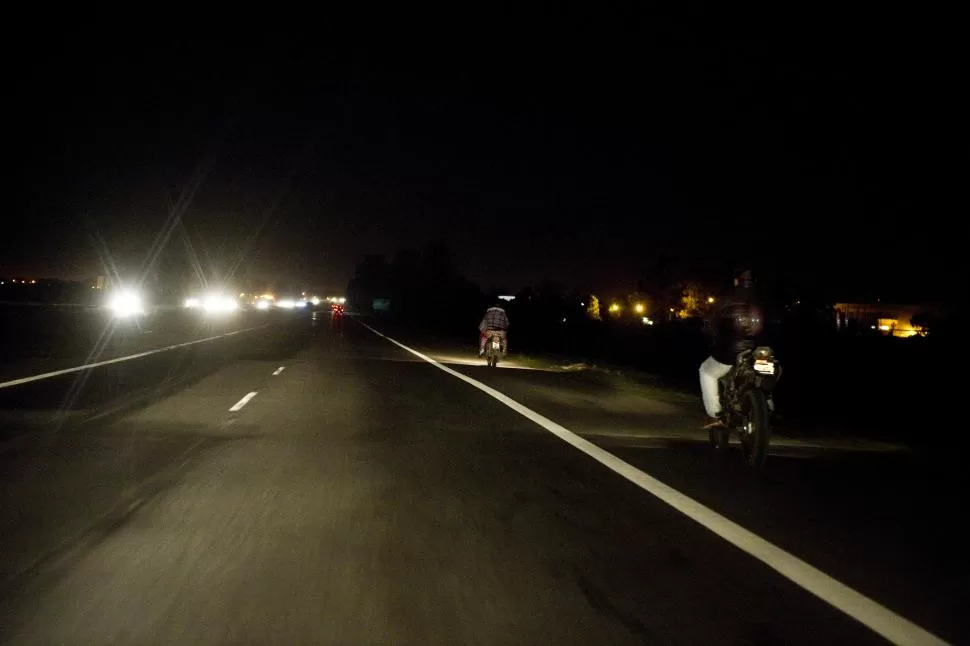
[242, 402]
[279, 370]
[89, 366]
[881, 620]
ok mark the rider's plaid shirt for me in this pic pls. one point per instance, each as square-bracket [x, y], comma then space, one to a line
[495, 319]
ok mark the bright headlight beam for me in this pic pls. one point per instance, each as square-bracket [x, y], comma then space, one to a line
[126, 303]
[216, 303]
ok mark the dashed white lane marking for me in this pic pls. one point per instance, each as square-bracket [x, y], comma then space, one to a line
[278, 370]
[242, 402]
[885, 622]
[98, 364]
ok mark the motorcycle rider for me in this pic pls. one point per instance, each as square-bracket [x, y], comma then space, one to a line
[738, 325]
[494, 321]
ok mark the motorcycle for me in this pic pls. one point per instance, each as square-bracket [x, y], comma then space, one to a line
[337, 317]
[746, 399]
[493, 348]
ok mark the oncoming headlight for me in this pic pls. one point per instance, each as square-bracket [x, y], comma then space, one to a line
[216, 303]
[126, 303]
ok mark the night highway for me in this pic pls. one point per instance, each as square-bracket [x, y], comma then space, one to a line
[276, 481]
[252, 268]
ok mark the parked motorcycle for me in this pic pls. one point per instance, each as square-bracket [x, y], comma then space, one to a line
[746, 399]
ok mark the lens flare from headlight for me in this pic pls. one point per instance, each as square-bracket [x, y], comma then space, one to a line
[286, 303]
[126, 303]
[216, 304]
[192, 303]
[262, 304]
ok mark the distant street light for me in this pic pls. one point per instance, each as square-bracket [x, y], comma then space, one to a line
[710, 299]
[639, 307]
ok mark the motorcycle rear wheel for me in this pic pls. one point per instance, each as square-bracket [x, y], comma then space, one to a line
[756, 432]
[720, 438]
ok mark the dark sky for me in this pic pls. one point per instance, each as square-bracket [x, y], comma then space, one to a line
[822, 145]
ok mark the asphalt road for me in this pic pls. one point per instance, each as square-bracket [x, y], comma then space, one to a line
[38, 339]
[363, 495]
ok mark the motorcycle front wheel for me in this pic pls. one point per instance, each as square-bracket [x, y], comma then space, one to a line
[756, 432]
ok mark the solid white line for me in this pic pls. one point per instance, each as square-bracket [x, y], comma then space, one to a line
[278, 370]
[885, 622]
[242, 402]
[89, 366]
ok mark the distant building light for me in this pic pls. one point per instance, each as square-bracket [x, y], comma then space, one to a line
[507, 298]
